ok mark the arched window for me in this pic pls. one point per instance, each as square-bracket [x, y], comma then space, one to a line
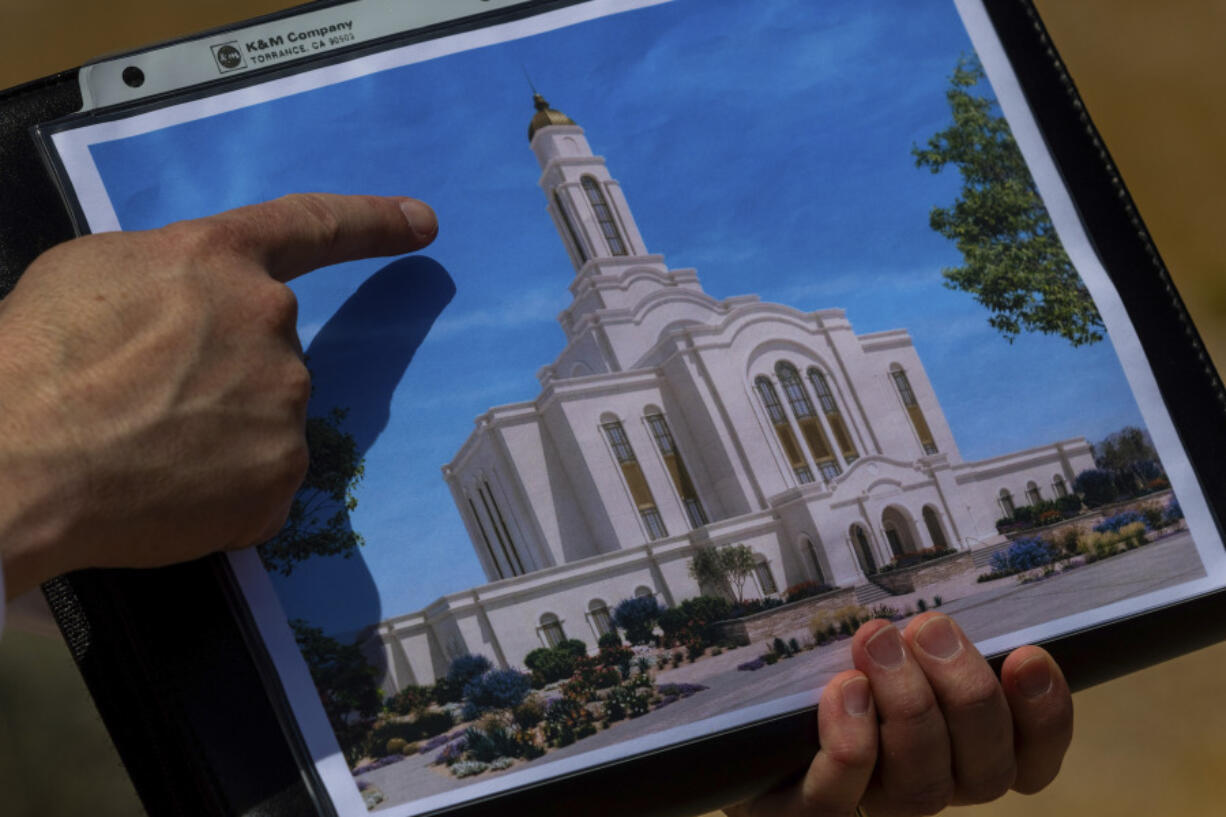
[570, 228]
[1032, 493]
[787, 440]
[551, 630]
[912, 407]
[825, 397]
[604, 216]
[932, 521]
[640, 491]
[1058, 488]
[643, 590]
[676, 469]
[1006, 502]
[806, 418]
[766, 579]
[598, 612]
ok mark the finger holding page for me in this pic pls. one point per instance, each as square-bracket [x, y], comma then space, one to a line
[1042, 710]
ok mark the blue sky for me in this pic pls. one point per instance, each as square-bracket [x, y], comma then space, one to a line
[766, 144]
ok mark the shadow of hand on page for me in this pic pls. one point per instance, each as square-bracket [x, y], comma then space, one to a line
[356, 360]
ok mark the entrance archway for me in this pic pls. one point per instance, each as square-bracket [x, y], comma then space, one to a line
[898, 531]
[932, 521]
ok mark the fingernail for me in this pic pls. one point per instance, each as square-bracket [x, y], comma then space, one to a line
[1034, 677]
[856, 696]
[885, 648]
[420, 217]
[939, 639]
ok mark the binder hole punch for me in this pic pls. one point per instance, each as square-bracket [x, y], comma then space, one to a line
[133, 76]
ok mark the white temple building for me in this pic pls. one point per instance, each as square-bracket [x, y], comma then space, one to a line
[673, 421]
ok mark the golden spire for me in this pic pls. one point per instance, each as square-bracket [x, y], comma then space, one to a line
[545, 116]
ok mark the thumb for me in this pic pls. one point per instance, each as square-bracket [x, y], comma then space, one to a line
[295, 234]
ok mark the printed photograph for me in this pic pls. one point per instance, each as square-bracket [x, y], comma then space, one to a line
[746, 324]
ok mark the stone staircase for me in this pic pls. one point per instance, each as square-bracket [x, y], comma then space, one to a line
[983, 556]
[870, 593]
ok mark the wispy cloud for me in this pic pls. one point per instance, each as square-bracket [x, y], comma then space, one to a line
[522, 309]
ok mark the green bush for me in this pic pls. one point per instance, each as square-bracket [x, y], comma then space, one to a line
[555, 663]
[411, 699]
[771, 657]
[780, 648]
[395, 746]
[529, 713]
[609, 639]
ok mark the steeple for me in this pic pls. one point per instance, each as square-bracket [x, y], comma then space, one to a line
[545, 116]
[587, 205]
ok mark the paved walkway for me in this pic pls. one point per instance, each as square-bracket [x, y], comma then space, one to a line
[983, 611]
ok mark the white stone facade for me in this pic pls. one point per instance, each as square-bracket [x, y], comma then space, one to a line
[673, 421]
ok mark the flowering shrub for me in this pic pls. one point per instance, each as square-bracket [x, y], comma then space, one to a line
[637, 616]
[467, 667]
[451, 753]
[691, 619]
[498, 764]
[496, 689]
[625, 701]
[619, 657]
[751, 666]
[435, 742]
[566, 720]
[1050, 517]
[804, 590]
[411, 699]
[529, 713]
[386, 760]
[1024, 554]
[1113, 523]
[750, 606]
[1173, 512]
[467, 768]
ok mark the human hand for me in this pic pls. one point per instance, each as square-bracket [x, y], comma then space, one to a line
[152, 391]
[922, 723]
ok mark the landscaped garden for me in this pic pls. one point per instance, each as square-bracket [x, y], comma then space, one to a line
[1071, 546]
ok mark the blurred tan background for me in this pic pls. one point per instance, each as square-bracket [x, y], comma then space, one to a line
[1154, 78]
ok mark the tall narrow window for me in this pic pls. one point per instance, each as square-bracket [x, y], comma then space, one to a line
[501, 533]
[806, 418]
[1032, 493]
[604, 216]
[602, 621]
[787, 440]
[766, 579]
[914, 411]
[551, 630]
[833, 416]
[1006, 502]
[1058, 487]
[570, 228]
[640, 492]
[485, 537]
[676, 469]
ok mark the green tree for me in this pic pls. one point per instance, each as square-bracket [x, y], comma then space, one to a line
[1124, 449]
[1013, 262]
[345, 683]
[318, 523]
[739, 564]
[717, 568]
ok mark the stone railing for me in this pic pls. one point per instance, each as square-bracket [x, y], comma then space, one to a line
[782, 620]
[909, 579]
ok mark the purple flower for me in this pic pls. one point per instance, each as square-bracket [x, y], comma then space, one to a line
[752, 666]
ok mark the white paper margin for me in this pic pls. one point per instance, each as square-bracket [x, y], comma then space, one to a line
[73, 147]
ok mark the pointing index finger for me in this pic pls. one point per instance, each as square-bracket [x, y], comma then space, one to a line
[295, 234]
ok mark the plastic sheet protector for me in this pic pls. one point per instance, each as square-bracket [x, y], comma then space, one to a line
[745, 322]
